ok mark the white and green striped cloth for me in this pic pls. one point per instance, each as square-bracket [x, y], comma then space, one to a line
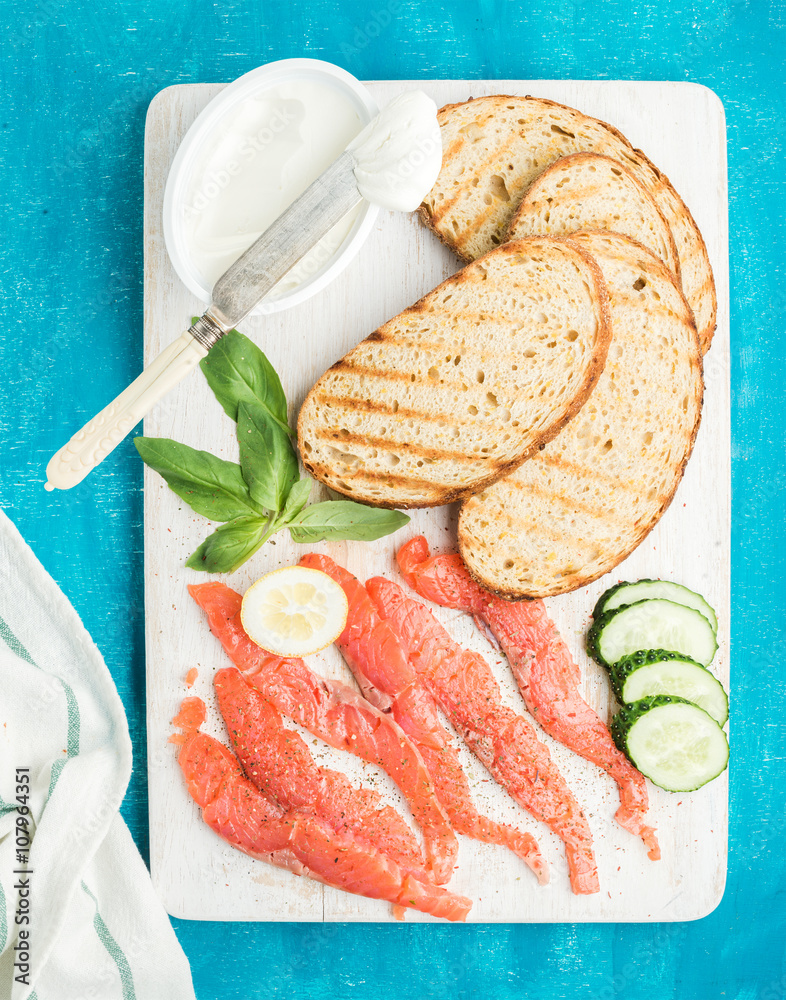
[78, 915]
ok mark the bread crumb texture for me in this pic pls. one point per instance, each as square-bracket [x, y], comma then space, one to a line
[457, 390]
[496, 146]
[588, 191]
[583, 502]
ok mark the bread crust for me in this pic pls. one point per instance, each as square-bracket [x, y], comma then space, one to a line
[577, 160]
[660, 188]
[583, 579]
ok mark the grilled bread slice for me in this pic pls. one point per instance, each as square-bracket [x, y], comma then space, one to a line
[583, 502]
[494, 147]
[457, 390]
[589, 191]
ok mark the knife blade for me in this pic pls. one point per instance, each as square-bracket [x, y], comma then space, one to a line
[302, 225]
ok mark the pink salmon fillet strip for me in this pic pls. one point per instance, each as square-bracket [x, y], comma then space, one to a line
[280, 764]
[546, 673]
[300, 843]
[506, 743]
[336, 714]
[375, 656]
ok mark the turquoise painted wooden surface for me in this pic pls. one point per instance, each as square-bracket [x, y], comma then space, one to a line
[76, 79]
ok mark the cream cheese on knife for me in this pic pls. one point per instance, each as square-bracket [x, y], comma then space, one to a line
[398, 155]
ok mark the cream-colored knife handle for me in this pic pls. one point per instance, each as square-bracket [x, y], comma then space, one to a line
[93, 443]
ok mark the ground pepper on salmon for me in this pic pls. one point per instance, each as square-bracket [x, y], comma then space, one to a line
[281, 766]
[546, 673]
[374, 654]
[298, 842]
[336, 714]
[506, 743]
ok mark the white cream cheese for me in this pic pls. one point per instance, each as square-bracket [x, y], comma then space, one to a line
[398, 155]
[261, 158]
[276, 143]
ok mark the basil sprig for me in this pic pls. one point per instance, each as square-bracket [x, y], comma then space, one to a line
[267, 458]
[238, 372]
[334, 519]
[230, 545]
[264, 492]
[209, 485]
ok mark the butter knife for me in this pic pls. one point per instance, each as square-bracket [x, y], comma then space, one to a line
[235, 294]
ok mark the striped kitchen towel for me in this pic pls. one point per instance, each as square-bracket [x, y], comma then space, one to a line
[79, 919]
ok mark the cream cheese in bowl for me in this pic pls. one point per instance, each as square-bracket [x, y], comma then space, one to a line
[249, 154]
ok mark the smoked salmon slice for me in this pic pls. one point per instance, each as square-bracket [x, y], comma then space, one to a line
[190, 717]
[280, 764]
[336, 714]
[375, 656]
[546, 673]
[506, 743]
[301, 843]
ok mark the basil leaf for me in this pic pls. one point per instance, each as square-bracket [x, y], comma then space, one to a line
[344, 519]
[267, 458]
[209, 485]
[230, 545]
[296, 501]
[237, 371]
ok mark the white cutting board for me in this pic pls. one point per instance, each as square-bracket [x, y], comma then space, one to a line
[681, 127]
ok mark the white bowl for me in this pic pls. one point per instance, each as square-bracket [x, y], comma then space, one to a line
[180, 181]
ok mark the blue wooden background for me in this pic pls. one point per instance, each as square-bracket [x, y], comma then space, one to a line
[75, 80]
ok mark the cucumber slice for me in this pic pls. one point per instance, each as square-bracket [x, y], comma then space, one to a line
[657, 671]
[655, 624]
[674, 743]
[642, 590]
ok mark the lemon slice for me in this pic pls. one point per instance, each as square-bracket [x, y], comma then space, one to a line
[294, 611]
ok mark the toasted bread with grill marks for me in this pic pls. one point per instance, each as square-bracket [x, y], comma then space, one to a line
[584, 501]
[457, 390]
[587, 191]
[494, 147]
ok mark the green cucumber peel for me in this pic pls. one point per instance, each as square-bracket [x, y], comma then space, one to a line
[632, 591]
[622, 669]
[683, 754]
[628, 714]
[651, 672]
[639, 620]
